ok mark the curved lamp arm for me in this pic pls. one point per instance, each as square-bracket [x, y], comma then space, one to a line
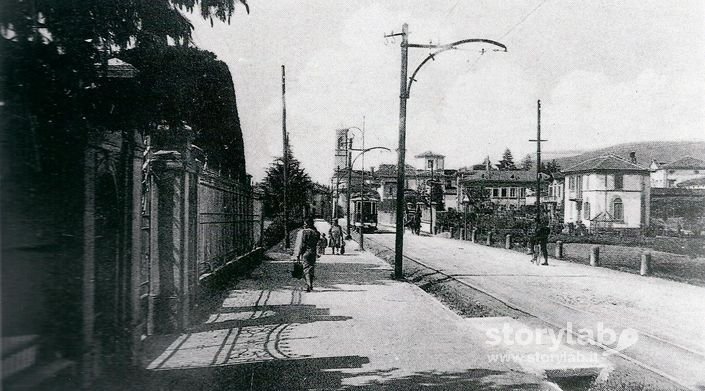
[441, 49]
[367, 150]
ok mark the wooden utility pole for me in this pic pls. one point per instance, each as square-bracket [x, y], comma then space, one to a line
[403, 96]
[285, 141]
[538, 162]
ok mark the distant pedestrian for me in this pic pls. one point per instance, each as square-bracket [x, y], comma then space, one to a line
[541, 239]
[336, 236]
[308, 252]
[322, 244]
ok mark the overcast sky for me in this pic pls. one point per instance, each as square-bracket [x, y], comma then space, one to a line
[606, 72]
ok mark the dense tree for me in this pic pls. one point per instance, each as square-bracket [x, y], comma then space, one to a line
[527, 163]
[507, 162]
[298, 187]
[187, 84]
[550, 167]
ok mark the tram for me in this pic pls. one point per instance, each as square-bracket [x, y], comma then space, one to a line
[364, 216]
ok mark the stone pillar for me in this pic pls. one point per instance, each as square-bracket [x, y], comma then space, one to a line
[171, 165]
[645, 264]
[473, 236]
[595, 256]
[489, 238]
[508, 242]
[559, 250]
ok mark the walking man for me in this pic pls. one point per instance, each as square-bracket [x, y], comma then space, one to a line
[308, 252]
[542, 232]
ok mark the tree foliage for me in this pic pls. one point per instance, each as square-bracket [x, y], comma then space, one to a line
[299, 185]
[527, 163]
[507, 162]
[550, 167]
[53, 52]
[187, 84]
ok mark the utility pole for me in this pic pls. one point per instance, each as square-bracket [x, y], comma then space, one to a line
[403, 96]
[538, 162]
[285, 138]
[362, 189]
[347, 215]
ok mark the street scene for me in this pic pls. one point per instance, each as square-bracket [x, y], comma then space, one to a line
[371, 195]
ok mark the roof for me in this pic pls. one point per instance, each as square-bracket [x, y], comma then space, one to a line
[518, 176]
[428, 154]
[390, 170]
[119, 69]
[685, 163]
[606, 163]
[692, 182]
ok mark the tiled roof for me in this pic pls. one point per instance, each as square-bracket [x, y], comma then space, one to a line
[429, 154]
[499, 176]
[606, 163]
[686, 163]
[387, 170]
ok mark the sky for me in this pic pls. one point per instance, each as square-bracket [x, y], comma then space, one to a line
[606, 72]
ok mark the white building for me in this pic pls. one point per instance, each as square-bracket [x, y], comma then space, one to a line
[607, 192]
[671, 174]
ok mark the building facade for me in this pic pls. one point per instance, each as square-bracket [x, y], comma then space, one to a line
[607, 192]
[668, 175]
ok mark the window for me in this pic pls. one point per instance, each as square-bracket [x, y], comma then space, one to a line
[618, 181]
[495, 193]
[504, 192]
[618, 209]
[571, 183]
[513, 192]
[522, 192]
[586, 208]
[430, 164]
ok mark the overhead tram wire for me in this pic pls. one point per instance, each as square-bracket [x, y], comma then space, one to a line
[511, 29]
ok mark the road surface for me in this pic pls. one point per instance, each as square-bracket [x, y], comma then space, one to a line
[667, 317]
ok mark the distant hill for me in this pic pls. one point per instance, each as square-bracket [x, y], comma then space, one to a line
[661, 151]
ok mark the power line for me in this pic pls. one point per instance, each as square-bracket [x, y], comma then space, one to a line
[514, 27]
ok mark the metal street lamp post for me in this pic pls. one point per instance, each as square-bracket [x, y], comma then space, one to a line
[405, 88]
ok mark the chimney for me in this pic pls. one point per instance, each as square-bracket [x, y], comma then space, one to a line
[632, 157]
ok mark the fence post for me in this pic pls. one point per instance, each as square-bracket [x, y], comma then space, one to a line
[645, 264]
[489, 238]
[473, 235]
[595, 256]
[508, 242]
[462, 234]
[451, 232]
[559, 249]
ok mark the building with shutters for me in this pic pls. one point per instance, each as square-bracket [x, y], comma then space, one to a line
[607, 192]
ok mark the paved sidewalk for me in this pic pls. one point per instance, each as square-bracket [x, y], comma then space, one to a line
[359, 329]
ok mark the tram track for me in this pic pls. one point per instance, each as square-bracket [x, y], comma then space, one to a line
[648, 343]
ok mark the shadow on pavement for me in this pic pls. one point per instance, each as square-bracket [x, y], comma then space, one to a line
[326, 373]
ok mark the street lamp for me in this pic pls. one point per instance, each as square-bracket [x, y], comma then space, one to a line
[349, 148]
[405, 88]
[466, 202]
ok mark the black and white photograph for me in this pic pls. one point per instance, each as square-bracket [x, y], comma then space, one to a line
[245, 195]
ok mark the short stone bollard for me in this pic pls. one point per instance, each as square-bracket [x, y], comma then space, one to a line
[508, 242]
[559, 250]
[595, 256]
[489, 238]
[473, 235]
[645, 264]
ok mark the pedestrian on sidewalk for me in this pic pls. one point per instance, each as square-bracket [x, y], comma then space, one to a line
[542, 233]
[308, 252]
[322, 244]
[336, 235]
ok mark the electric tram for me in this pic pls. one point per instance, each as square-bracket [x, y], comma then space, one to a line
[364, 216]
